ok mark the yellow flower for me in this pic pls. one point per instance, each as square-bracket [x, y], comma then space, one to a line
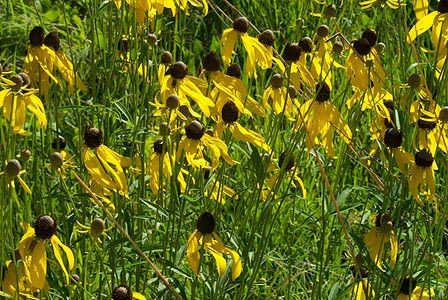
[178, 82]
[320, 116]
[257, 53]
[52, 40]
[394, 4]
[104, 165]
[96, 229]
[423, 168]
[123, 292]
[229, 119]
[32, 250]
[292, 172]
[161, 160]
[376, 239]
[15, 99]
[13, 170]
[193, 147]
[277, 98]
[212, 243]
[183, 4]
[410, 291]
[216, 190]
[299, 74]
[17, 281]
[438, 20]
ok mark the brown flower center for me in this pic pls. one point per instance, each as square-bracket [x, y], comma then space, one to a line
[13, 167]
[362, 46]
[56, 160]
[229, 112]
[393, 137]
[166, 58]
[18, 83]
[97, 227]
[408, 285]
[234, 70]
[267, 37]
[292, 52]
[212, 62]
[37, 36]
[172, 101]
[178, 70]
[206, 223]
[322, 92]
[306, 44]
[93, 137]
[423, 158]
[158, 146]
[45, 227]
[443, 6]
[371, 36]
[195, 130]
[286, 160]
[276, 81]
[241, 24]
[122, 292]
[52, 40]
[58, 143]
[426, 124]
[323, 30]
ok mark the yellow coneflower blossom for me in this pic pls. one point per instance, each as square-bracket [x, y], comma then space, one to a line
[376, 239]
[16, 98]
[17, 281]
[193, 146]
[229, 119]
[277, 98]
[32, 246]
[257, 53]
[299, 74]
[410, 291]
[183, 4]
[320, 116]
[286, 163]
[394, 4]
[217, 190]
[104, 165]
[422, 170]
[12, 171]
[212, 243]
[96, 229]
[124, 292]
[438, 20]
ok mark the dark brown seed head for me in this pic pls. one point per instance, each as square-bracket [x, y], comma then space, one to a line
[323, 30]
[443, 6]
[178, 70]
[330, 11]
[97, 227]
[151, 39]
[229, 112]
[45, 227]
[234, 70]
[56, 160]
[93, 137]
[166, 58]
[292, 52]
[267, 37]
[426, 123]
[13, 167]
[206, 223]
[292, 91]
[338, 47]
[158, 146]
[122, 292]
[25, 155]
[423, 158]
[164, 128]
[184, 110]
[393, 137]
[25, 78]
[277, 81]
[408, 285]
[362, 46]
[241, 24]
[52, 40]
[195, 130]
[37, 36]
[389, 103]
[18, 83]
[322, 92]
[415, 80]
[286, 159]
[123, 45]
[172, 101]
[386, 223]
[58, 143]
[443, 114]
[212, 62]
[207, 172]
[371, 35]
[306, 44]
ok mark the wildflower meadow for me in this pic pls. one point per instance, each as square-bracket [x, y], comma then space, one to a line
[218, 149]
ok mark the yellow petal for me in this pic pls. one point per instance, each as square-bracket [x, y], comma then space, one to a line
[421, 26]
[56, 243]
[96, 170]
[193, 255]
[138, 296]
[214, 249]
[227, 44]
[38, 265]
[113, 157]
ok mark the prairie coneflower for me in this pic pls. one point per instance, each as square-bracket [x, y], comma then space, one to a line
[104, 165]
[257, 53]
[394, 4]
[320, 116]
[12, 171]
[299, 75]
[420, 8]
[229, 119]
[16, 98]
[124, 292]
[286, 163]
[32, 246]
[410, 291]
[17, 280]
[376, 239]
[96, 229]
[193, 146]
[205, 235]
[422, 168]
[217, 190]
[277, 98]
[177, 81]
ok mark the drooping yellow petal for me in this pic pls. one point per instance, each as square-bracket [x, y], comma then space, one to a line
[227, 44]
[138, 296]
[24, 185]
[35, 105]
[38, 265]
[393, 249]
[421, 26]
[243, 134]
[96, 170]
[56, 243]
[193, 255]
[215, 249]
